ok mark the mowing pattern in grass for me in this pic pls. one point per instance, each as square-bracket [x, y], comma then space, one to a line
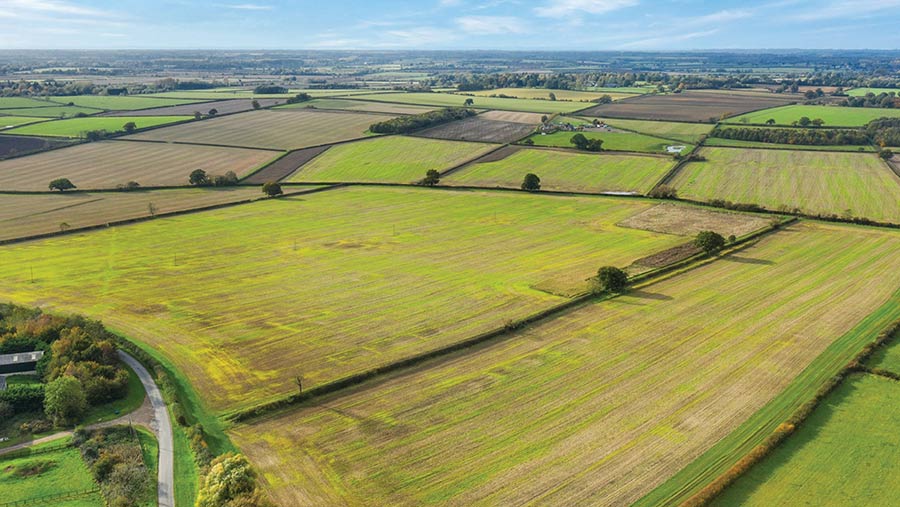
[118, 103]
[594, 407]
[685, 132]
[76, 127]
[244, 299]
[688, 106]
[23, 102]
[394, 159]
[532, 119]
[27, 215]
[110, 163]
[48, 473]
[544, 94]
[453, 100]
[615, 141]
[844, 454]
[815, 182]
[270, 129]
[51, 112]
[567, 171]
[737, 143]
[225, 94]
[360, 105]
[834, 116]
[14, 121]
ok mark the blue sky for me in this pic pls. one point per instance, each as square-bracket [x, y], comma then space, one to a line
[450, 24]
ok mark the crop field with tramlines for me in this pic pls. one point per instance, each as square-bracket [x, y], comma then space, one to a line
[832, 116]
[454, 100]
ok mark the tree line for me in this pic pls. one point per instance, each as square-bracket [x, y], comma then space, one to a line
[880, 132]
[407, 124]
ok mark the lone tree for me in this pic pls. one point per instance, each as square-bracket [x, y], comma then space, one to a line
[129, 127]
[770, 121]
[709, 241]
[255, 104]
[552, 96]
[213, 112]
[198, 115]
[272, 188]
[64, 400]
[886, 154]
[199, 178]
[231, 481]
[468, 102]
[531, 182]
[62, 184]
[611, 279]
[432, 178]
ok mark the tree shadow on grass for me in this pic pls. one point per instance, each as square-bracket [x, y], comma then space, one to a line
[747, 260]
[642, 294]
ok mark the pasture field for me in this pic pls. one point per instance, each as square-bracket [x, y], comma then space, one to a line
[614, 141]
[454, 100]
[51, 111]
[844, 454]
[689, 133]
[737, 143]
[394, 159]
[888, 356]
[566, 171]
[834, 116]
[544, 94]
[360, 105]
[816, 182]
[48, 473]
[224, 94]
[76, 127]
[492, 426]
[244, 299]
[191, 108]
[7, 122]
[23, 102]
[686, 106]
[27, 215]
[281, 130]
[637, 90]
[117, 102]
[110, 163]
[478, 128]
[860, 92]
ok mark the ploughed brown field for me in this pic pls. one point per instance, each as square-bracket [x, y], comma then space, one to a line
[689, 106]
[221, 107]
[479, 129]
[18, 145]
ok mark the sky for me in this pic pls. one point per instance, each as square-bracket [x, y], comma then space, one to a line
[594, 25]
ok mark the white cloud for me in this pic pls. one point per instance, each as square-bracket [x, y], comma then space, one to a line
[563, 8]
[491, 25]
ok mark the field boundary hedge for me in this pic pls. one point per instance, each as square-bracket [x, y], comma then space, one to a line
[46, 499]
[267, 408]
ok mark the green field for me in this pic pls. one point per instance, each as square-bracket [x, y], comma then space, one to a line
[364, 276]
[834, 116]
[859, 92]
[394, 159]
[598, 405]
[689, 133]
[230, 93]
[613, 141]
[544, 94]
[359, 105]
[844, 454]
[51, 112]
[119, 103]
[888, 356]
[76, 127]
[13, 121]
[22, 102]
[63, 471]
[623, 89]
[737, 143]
[816, 182]
[567, 171]
[453, 100]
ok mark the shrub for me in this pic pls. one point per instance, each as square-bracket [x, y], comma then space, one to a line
[230, 482]
[23, 398]
[663, 192]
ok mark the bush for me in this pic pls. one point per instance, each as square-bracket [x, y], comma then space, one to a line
[611, 279]
[64, 400]
[23, 398]
[230, 482]
[531, 183]
[663, 192]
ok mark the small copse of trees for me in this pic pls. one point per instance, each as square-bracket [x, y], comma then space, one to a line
[61, 184]
[406, 124]
[583, 143]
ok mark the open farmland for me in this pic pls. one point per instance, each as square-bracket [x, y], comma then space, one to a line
[688, 133]
[49, 473]
[477, 128]
[566, 171]
[76, 127]
[28, 215]
[844, 454]
[110, 163]
[51, 112]
[815, 182]
[360, 105]
[20, 145]
[454, 100]
[533, 119]
[834, 116]
[221, 107]
[737, 143]
[686, 106]
[329, 284]
[231, 93]
[117, 103]
[23, 102]
[613, 141]
[859, 92]
[396, 159]
[282, 130]
[492, 427]
[544, 94]
[7, 122]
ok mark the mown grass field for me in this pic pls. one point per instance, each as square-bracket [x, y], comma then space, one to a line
[244, 299]
[833, 116]
[597, 406]
[544, 94]
[737, 143]
[53, 111]
[815, 182]
[76, 127]
[14, 121]
[688, 133]
[394, 159]
[22, 102]
[63, 471]
[887, 357]
[360, 105]
[118, 103]
[860, 92]
[454, 100]
[567, 171]
[110, 163]
[844, 454]
[230, 93]
[614, 141]
[270, 129]
[27, 215]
